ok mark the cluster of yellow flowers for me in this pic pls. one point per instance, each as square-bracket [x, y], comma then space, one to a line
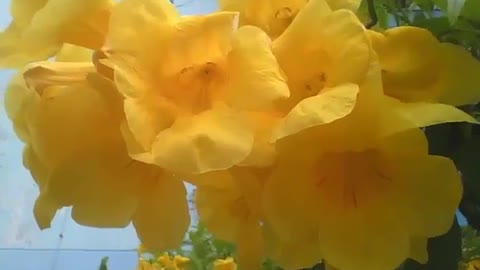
[164, 262]
[299, 127]
[178, 262]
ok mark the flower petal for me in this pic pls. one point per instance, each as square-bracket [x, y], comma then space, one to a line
[460, 76]
[263, 153]
[101, 192]
[352, 5]
[146, 119]
[130, 16]
[135, 150]
[250, 246]
[418, 249]
[423, 114]
[296, 254]
[213, 140]
[17, 104]
[352, 240]
[44, 210]
[163, 204]
[73, 53]
[322, 41]
[256, 80]
[432, 215]
[326, 107]
[216, 209]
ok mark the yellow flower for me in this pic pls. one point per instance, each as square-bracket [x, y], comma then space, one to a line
[417, 67]
[144, 265]
[181, 262]
[187, 105]
[224, 264]
[166, 262]
[232, 211]
[473, 265]
[40, 27]
[361, 183]
[322, 49]
[274, 16]
[76, 153]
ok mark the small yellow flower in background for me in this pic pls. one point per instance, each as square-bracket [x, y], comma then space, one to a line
[416, 67]
[76, 153]
[40, 27]
[187, 105]
[224, 264]
[232, 211]
[144, 265]
[167, 262]
[181, 262]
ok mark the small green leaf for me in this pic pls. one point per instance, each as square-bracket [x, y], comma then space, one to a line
[471, 10]
[454, 9]
[103, 264]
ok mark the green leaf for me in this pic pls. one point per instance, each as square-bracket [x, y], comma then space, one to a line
[426, 5]
[443, 4]
[444, 252]
[454, 9]
[471, 10]
[103, 264]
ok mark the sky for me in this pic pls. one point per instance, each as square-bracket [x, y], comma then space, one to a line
[65, 245]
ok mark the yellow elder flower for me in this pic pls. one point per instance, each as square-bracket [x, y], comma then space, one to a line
[187, 107]
[231, 211]
[224, 264]
[359, 193]
[144, 265]
[75, 152]
[274, 16]
[40, 27]
[417, 67]
[322, 49]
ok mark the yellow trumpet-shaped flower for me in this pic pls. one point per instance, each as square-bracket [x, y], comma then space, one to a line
[187, 105]
[76, 153]
[326, 89]
[39, 28]
[232, 211]
[274, 16]
[323, 49]
[359, 184]
[417, 67]
[224, 264]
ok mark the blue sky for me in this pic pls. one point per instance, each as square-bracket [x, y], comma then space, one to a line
[22, 245]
